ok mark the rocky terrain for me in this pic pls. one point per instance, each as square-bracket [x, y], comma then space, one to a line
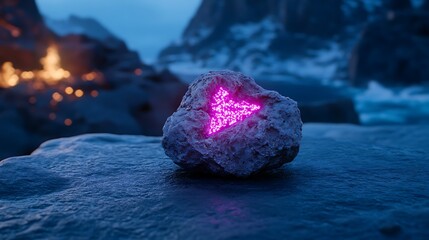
[350, 40]
[103, 86]
[347, 182]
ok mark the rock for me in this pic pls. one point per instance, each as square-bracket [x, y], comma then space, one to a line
[81, 54]
[390, 230]
[348, 182]
[14, 139]
[339, 111]
[23, 35]
[193, 140]
[401, 60]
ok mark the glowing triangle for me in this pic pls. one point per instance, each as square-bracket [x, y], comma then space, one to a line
[225, 111]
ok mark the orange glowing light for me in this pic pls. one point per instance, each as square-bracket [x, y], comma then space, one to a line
[27, 75]
[50, 74]
[69, 90]
[14, 31]
[52, 71]
[94, 93]
[138, 72]
[89, 76]
[68, 122]
[8, 76]
[57, 97]
[78, 93]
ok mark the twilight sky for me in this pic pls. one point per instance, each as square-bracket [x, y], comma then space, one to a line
[146, 25]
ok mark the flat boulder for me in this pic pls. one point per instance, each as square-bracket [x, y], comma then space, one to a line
[348, 182]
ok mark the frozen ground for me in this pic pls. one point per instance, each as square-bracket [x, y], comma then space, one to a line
[347, 182]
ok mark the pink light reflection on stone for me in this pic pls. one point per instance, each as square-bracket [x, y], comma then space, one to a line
[226, 112]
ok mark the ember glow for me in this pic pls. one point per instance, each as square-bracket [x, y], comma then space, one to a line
[226, 112]
[8, 77]
[51, 73]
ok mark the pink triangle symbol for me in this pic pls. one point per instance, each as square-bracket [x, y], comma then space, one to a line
[225, 111]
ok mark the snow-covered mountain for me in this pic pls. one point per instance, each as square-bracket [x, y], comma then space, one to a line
[304, 39]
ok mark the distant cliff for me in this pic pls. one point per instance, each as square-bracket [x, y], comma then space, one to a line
[301, 38]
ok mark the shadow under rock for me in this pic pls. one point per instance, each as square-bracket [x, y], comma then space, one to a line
[285, 178]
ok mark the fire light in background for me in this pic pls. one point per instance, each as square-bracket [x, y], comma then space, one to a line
[51, 73]
[8, 77]
[68, 122]
[57, 97]
[53, 80]
[79, 93]
[14, 31]
[69, 90]
[90, 76]
[138, 71]
[226, 112]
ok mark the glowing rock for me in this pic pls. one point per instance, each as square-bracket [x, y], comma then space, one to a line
[229, 125]
[225, 111]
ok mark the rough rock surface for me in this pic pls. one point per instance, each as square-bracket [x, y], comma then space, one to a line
[347, 183]
[403, 59]
[265, 140]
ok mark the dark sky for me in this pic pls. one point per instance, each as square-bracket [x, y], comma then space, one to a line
[146, 25]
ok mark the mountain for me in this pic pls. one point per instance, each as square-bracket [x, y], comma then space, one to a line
[22, 33]
[393, 48]
[79, 25]
[299, 38]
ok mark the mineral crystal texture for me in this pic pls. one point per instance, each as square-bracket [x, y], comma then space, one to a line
[226, 125]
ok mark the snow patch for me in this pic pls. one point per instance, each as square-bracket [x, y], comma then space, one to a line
[263, 30]
[78, 25]
[378, 105]
[200, 35]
